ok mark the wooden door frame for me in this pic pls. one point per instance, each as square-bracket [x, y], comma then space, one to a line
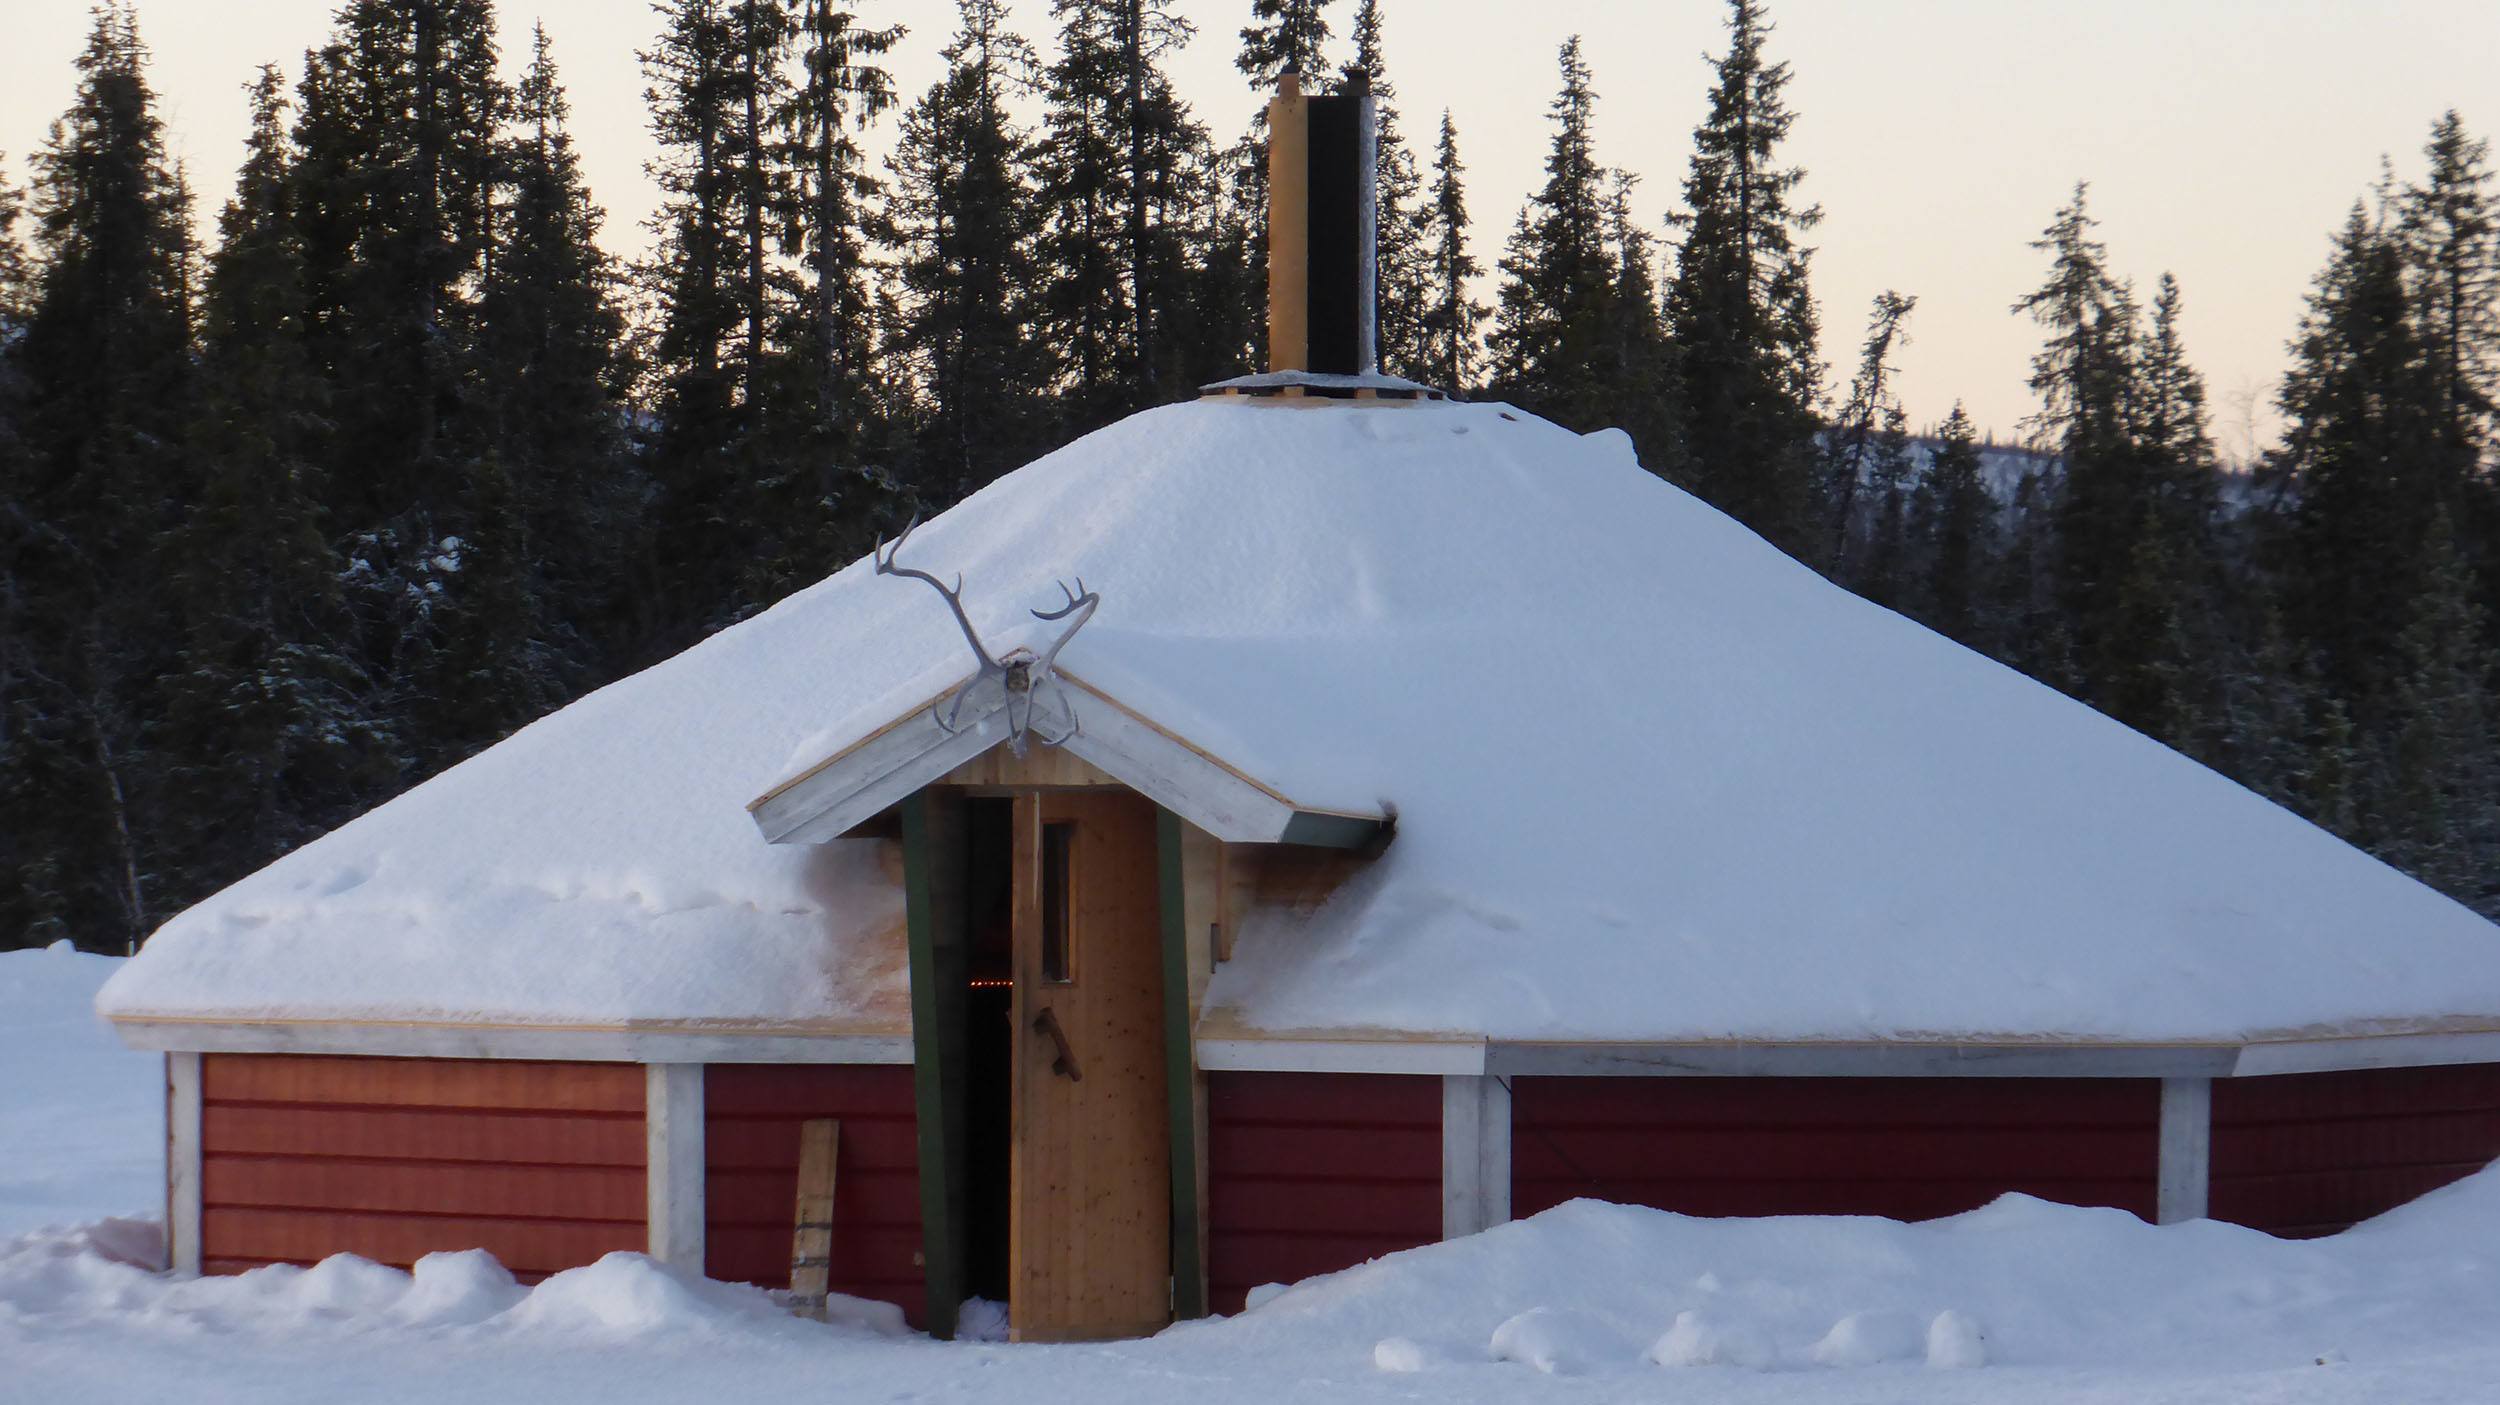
[934, 838]
[934, 834]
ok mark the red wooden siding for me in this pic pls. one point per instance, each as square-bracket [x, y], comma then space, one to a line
[1906, 1148]
[1313, 1172]
[752, 1114]
[540, 1164]
[2311, 1153]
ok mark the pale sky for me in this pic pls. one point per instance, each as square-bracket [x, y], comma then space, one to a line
[2224, 139]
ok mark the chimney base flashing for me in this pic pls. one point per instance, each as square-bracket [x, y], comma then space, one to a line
[1289, 385]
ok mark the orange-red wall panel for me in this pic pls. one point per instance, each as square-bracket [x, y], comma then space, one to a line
[304, 1156]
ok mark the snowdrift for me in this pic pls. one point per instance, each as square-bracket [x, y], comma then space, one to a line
[1584, 1289]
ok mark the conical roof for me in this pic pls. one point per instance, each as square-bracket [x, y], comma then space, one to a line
[1654, 781]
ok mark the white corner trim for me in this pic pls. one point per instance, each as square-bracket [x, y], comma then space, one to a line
[1339, 1056]
[480, 1041]
[2186, 1155]
[182, 1163]
[1462, 1155]
[1475, 1154]
[673, 1127]
[1493, 1150]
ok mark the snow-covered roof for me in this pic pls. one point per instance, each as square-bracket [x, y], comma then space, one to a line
[1654, 781]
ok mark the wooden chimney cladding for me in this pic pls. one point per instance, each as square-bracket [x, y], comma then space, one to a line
[1313, 1172]
[1910, 1149]
[2311, 1153]
[752, 1117]
[540, 1164]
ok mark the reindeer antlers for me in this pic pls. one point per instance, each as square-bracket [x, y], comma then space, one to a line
[884, 556]
[1077, 603]
[1020, 673]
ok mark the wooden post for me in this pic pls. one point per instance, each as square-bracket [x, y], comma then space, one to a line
[182, 1162]
[1180, 1069]
[933, 866]
[811, 1239]
[2186, 1166]
[1475, 1153]
[672, 1112]
[1288, 227]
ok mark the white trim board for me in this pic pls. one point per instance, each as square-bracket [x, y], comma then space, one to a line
[1321, 1055]
[1339, 1056]
[453, 1041]
[1835, 1060]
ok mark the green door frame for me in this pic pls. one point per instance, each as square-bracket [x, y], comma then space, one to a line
[934, 921]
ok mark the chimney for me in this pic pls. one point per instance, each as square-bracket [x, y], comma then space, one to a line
[1323, 295]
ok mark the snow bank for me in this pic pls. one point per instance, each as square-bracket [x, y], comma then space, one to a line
[1654, 780]
[1580, 1289]
[2010, 1292]
[91, 1145]
[60, 1279]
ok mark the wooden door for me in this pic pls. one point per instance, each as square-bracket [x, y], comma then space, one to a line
[1090, 1177]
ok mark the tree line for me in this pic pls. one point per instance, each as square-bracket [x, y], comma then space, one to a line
[402, 459]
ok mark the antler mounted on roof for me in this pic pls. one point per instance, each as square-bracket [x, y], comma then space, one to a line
[1021, 677]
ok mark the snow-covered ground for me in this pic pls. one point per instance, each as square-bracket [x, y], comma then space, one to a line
[82, 1119]
[2021, 1303]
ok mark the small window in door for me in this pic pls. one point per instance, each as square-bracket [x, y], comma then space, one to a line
[1058, 844]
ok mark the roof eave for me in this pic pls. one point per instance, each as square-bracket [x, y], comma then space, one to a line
[857, 784]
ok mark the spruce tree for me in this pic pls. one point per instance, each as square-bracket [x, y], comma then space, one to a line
[968, 222]
[1403, 224]
[1849, 446]
[1740, 310]
[2361, 460]
[551, 345]
[1955, 520]
[1550, 344]
[1452, 319]
[1284, 36]
[713, 77]
[2438, 812]
[106, 361]
[1124, 172]
[1638, 363]
[2125, 416]
[820, 480]
[2449, 226]
[400, 160]
[265, 738]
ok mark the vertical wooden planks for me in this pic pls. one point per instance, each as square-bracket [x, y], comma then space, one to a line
[1090, 1183]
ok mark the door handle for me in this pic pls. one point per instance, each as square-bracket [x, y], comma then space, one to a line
[1047, 1022]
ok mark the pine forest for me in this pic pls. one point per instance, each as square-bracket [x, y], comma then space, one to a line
[305, 502]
